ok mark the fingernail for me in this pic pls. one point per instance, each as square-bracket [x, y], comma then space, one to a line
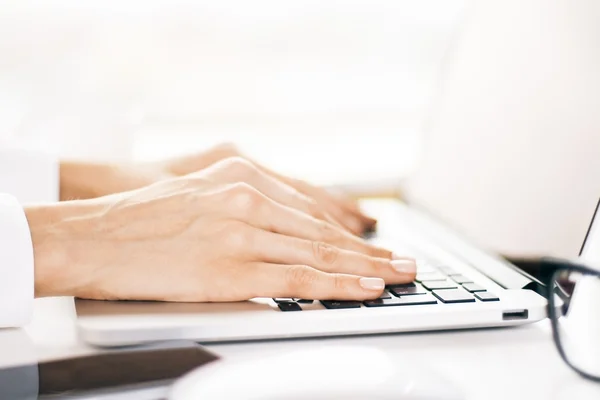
[372, 283]
[404, 266]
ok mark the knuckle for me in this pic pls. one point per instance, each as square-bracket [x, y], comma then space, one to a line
[313, 207]
[300, 278]
[325, 253]
[339, 283]
[238, 167]
[244, 197]
[375, 251]
[237, 236]
[328, 233]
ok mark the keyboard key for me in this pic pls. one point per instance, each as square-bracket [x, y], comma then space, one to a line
[486, 296]
[429, 259]
[289, 306]
[473, 287]
[304, 301]
[436, 285]
[385, 295]
[446, 270]
[284, 300]
[402, 301]
[430, 276]
[424, 267]
[407, 290]
[409, 284]
[461, 279]
[336, 304]
[454, 296]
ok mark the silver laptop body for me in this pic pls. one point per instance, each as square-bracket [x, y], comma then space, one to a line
[458, 286]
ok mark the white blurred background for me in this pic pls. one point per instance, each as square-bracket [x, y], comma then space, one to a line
[492, 107]
[303, 86]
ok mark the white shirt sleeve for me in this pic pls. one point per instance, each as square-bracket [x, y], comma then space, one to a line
[25, 177]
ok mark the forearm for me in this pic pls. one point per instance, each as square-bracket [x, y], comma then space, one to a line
[82, 180]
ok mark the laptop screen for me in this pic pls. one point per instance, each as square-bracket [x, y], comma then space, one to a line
[590, 250]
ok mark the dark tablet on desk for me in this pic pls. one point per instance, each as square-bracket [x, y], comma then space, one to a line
[132, 374]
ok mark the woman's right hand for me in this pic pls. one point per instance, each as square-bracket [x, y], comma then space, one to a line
[210, 236]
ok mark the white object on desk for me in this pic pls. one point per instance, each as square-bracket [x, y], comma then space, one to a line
[492, 364]
[17, 350]
[323, 373]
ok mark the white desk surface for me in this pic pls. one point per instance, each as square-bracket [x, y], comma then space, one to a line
[512, 363]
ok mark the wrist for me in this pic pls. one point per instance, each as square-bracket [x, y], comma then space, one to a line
[60, 234]
[79, 180]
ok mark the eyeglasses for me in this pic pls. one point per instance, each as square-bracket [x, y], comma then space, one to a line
[574, 309]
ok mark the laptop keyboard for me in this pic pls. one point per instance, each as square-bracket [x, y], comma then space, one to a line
[434, 285]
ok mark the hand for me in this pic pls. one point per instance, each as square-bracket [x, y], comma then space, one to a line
[88, 180]
[343, 210]
[202, 238]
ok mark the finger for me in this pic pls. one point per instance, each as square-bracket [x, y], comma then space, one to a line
[281, 249]
[275, 280]
[250, 206]
[352, 212]
[338, 207]
[287, 195]
[343, 211]
[236, 169]
[339, 199]
[348, 204]
[352, 207]
[350, 222]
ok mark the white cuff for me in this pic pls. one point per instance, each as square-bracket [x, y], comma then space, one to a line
[16, 264]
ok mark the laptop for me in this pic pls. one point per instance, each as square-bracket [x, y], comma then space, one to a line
[458, 286]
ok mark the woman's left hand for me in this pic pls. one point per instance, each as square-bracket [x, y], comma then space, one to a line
[343, 210]
[87, 180]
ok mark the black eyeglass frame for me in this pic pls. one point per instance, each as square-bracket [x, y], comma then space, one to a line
[551, 266]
